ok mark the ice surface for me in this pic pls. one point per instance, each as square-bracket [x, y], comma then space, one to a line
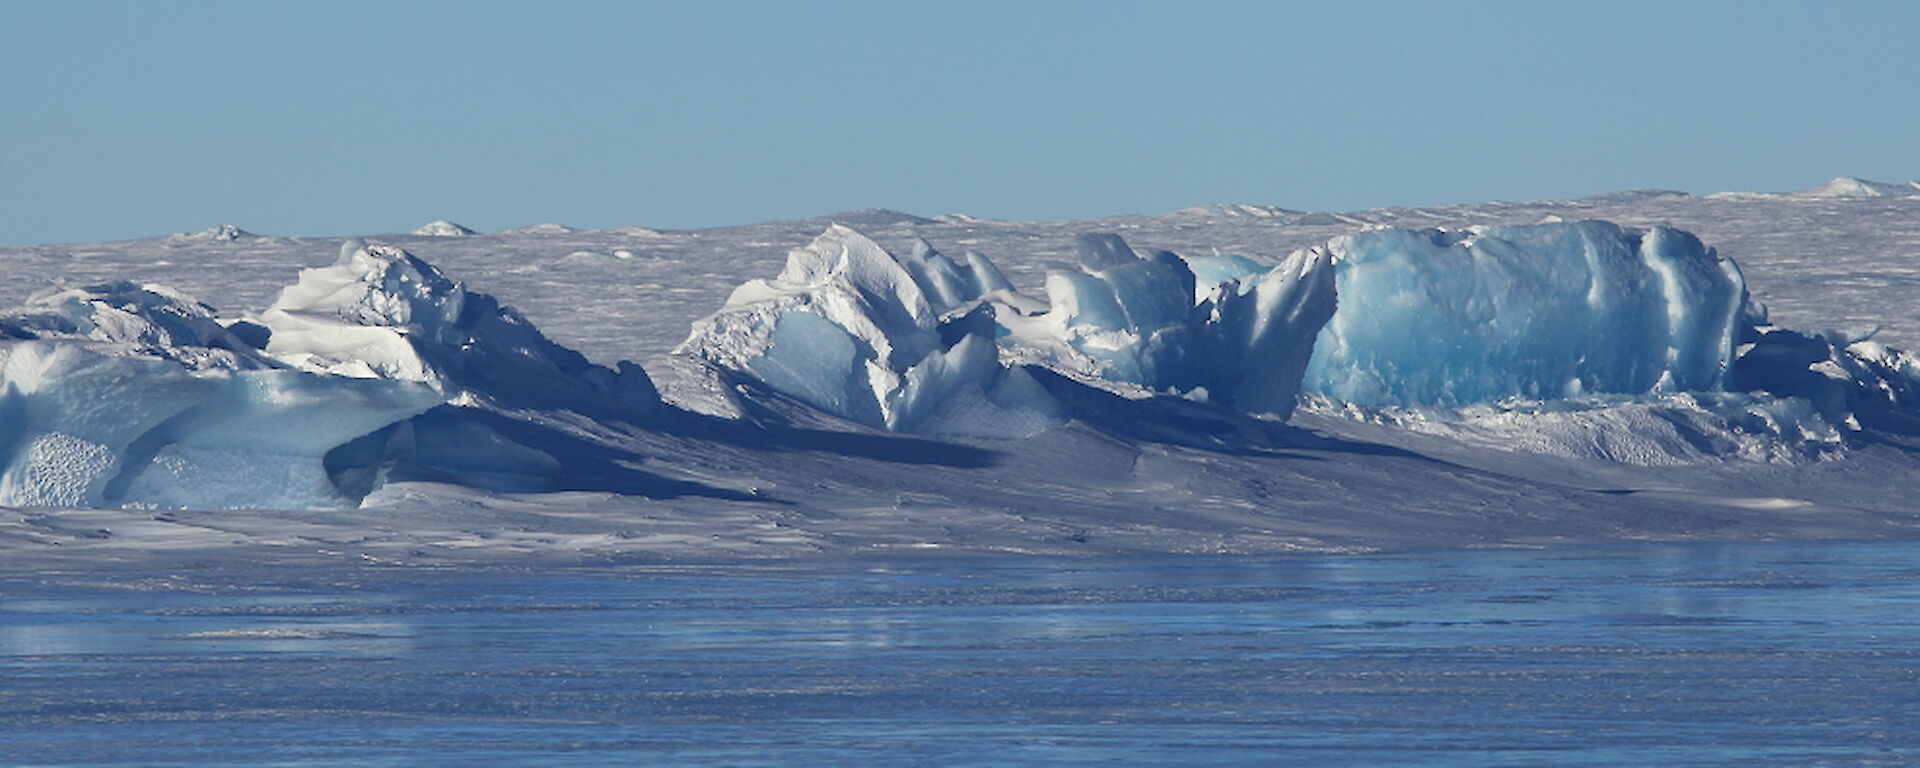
[1450, 318]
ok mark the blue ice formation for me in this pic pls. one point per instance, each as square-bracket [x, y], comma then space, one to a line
[128, 395]
[1451, 318]
[888, 342]
[134, 395]
[929, 344]
[1152, 321]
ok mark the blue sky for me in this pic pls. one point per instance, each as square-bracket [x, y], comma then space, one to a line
[133, 119]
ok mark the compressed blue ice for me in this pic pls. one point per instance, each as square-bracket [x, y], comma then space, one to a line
[133, 395]
[1449, 318]
[888, 342]
[1152, 321]
[917, 343]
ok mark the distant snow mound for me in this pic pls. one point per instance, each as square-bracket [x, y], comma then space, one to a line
[442, 228]
[542, 229]
[893, 341]
[1548, 311]
[887, 342]
[1848, 186]
[225, 233]
[380, 312]
[1242, 210]
[132, 395]
[876, 218]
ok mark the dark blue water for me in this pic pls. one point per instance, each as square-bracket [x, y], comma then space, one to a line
[1801, 654]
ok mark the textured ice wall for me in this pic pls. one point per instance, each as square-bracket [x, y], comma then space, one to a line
[1450, 318]
[927, 343]
[1153, 321]
[889, 342]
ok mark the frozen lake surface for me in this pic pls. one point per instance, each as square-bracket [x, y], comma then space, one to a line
[1617, 655]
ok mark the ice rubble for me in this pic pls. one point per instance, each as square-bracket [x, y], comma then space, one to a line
[1222, 329]
[1582, 339]
[133, 395]
[897, 343]
[894, 342]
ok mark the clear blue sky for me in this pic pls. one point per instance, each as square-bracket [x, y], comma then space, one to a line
[133, 119]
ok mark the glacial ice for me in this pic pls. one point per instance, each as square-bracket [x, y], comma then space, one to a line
[134, 395]
[1451, 318]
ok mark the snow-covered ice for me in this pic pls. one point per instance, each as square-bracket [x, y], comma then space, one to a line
[133, 395]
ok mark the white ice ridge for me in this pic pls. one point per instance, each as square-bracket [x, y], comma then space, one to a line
[1451, 318]
[133, 395]
[893, 343]
[916, 343]
[379, 312]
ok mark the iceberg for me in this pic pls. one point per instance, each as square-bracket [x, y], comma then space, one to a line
[123, 394]
[1557, 310]
[902, 344]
